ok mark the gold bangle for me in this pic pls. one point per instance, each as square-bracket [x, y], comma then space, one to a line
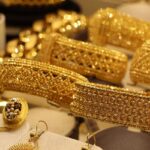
[112, 104]
[70, 90]
[140, 67]
[84, 58]
[28, 44]
[33, 77]
[31, 2]
[109, 26]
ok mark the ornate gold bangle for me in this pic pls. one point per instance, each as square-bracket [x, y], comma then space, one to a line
[29, 42]
[84, 58]
[109, 26]
[112, 104]
[41, 79]
[70, 90]
[140, 67]
[31, 2]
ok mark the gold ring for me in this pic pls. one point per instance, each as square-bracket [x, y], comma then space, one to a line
[37, 78]
[109, 26]
[14, 113]
[84, 58]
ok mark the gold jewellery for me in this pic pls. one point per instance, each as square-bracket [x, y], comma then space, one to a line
[140, 67]
[109, 26]
[29, 42]
[112, 104]
[32, 143]
[84, 58]
[72, 91]
[41, 79]
[14, 114]
[31, 2]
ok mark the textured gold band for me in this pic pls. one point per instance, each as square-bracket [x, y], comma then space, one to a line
[54, 83]
[109, 26]
[31, 2]
[84, 58]
[112, 104]
[140, 68]
[70, 90]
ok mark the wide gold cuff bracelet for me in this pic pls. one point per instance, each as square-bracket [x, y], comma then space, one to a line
[37, 78]
[112, 104]
[140, 67]
[84, 58]
[31, 2]
[70, 90]
[109, 26]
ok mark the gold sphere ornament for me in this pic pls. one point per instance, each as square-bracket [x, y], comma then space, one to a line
[14, 114]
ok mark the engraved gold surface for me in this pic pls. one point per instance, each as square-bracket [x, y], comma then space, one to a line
[140, 67]
[109, 26]
[84, 58]
[37, 78]
[71, 90]
[112, 104]
[23, 146]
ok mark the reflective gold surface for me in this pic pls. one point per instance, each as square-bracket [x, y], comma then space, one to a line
[140, 67]
[109, 26]
[41, 79]
[112, 104]
[29, 42]
[84, 58]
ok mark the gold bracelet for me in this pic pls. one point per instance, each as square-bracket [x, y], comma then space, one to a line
[33, 77]
[140, 67]
[84, 58]
[28, 44]
[70, 90]
[112, 104]
[31, 2]
[109, 26]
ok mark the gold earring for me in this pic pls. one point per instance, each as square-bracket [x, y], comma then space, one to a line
[89, 146]
[14, 113]
[32, 142]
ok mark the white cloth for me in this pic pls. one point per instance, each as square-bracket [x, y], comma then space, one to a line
[51, 141]
[9, 138]
[133, 9]
[58, 122]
